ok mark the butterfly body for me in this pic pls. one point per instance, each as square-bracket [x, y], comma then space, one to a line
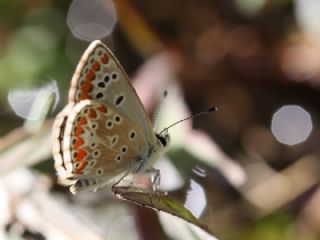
[104, 133]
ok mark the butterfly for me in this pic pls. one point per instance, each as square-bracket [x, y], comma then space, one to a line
[104, 133]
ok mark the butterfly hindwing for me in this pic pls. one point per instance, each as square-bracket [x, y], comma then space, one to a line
[99, 144]
[59, 127]
[100, 77]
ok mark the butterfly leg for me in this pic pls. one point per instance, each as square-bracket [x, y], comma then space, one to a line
[136, 181]
[155, 178]
[118, 182]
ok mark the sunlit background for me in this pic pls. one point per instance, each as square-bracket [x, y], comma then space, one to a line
[248, 171]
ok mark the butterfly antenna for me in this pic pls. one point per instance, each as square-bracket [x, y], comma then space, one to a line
[156, 115]
[212, 109]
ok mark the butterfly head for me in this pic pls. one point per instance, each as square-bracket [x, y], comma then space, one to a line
[163, 140]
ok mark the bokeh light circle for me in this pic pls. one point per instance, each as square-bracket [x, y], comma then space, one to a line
[291, 124]
[30, 104]
[91, 20]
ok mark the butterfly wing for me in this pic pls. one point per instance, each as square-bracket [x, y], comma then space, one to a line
[59, 127]
[100, 79]
[99, 144]
[99, 76]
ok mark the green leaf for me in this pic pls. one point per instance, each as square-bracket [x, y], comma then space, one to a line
[158, 201]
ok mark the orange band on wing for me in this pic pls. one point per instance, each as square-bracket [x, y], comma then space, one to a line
[96, 66]
[105, 59]
[81, 154]
[92, 113]
[85, 89]
[102, 109]
[90, 75]
[78, 143]
[78, 131]
[83, 121]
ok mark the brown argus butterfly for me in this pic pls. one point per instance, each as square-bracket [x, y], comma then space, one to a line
[104, 133]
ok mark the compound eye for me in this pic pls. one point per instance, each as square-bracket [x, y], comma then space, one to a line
[162, 140]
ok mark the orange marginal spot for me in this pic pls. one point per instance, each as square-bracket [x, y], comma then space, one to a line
[92, 113]
[79, 131]
[83, 121]
[82, 165]
[96, 66]
[85, 89]
[87, 85]
[90, 75]
[84, 95]
[81, 154]
[105, 58]
[78, 143]
[102, 109]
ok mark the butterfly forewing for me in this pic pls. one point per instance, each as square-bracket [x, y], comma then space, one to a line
[99, 144]
[100, 77]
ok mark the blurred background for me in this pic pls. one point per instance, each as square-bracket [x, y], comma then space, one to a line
[248, 171]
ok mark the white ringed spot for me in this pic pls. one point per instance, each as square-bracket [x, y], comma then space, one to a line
[118, 158]
[132, 135]
[99, 171]
[96, 153]
[117, 119]
[109, 124]
[114, 76]
[124, 149]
